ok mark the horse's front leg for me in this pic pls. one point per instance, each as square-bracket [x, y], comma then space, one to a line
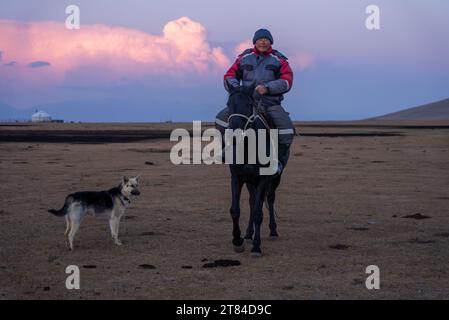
[258, 217]
[252, 198]
[237, 240]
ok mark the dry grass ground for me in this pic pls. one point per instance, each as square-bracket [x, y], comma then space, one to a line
[341, 205]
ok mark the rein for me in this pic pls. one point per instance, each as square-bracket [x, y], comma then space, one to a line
[255, 115]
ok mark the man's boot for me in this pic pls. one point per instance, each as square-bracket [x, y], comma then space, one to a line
[283, 153]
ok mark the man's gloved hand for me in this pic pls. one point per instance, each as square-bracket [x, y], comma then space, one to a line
[261, 89]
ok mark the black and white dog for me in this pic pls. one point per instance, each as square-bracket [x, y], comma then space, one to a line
[112, 202]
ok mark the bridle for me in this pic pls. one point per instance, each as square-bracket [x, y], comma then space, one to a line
[257, 114]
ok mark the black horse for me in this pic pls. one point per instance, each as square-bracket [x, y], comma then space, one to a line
[244, 114]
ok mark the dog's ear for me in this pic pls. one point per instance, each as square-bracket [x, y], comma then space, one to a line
[125, 180]
[137, 177]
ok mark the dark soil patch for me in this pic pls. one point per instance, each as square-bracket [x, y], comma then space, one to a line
[417, 216]
[288, 288]
[147, 266]
[150, 150]
[77, 136]
[420, 241]
[222, 263]
[339, 246]
[353, 134]
[359, 229]
[442, 235]
[52, 258]
[149, 233]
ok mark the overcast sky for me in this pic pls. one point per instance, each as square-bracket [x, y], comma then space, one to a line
[139, 60]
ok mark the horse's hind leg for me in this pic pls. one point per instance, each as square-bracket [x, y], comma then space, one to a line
[271, 196]
[237, 240]
[252, 198]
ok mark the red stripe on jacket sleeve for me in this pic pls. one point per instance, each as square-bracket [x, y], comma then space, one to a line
[232, 72]
[286, 72]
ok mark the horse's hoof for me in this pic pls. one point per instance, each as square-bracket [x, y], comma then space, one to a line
[256, 254]
[273, 236]
[239, 249]
[238, 242]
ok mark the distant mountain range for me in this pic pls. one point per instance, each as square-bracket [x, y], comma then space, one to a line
[438, 110]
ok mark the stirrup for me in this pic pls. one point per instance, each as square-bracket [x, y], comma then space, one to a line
[279, 169]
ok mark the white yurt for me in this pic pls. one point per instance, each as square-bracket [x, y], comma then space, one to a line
[40, 116]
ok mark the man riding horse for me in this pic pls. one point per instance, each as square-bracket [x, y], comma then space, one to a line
[270, 70]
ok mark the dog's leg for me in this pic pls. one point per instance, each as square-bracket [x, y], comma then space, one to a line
[117, 225]
[113, 224]
[75, 216]
[74, 228]
[67, 230]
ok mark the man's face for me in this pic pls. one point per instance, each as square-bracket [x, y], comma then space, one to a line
[263, 44]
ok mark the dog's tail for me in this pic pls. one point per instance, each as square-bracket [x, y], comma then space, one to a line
[63, 211]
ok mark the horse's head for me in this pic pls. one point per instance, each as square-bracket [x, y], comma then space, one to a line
[240, 105]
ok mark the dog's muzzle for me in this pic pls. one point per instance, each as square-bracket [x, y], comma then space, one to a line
[135, 192]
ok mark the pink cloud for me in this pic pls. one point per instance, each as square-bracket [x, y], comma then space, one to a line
[302, 61]
[242, 46]
[119, 52]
